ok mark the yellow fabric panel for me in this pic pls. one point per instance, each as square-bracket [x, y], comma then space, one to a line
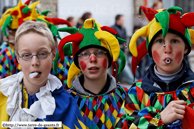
[89, 23]
[153, 28]
[82, 124]
[141, 32]
[133, 126]
[111, 41]
[145, 99]
[3, 114]
[191, 32]
[25, 96]
[73, 71]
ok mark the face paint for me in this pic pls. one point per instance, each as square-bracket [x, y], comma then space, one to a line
[179, 57]
[93, 58]
[105, 63]
[156, 56]
[83, 65]
[168, 48]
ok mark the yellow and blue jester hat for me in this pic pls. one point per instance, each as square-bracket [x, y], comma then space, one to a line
[91, 34]
[161, 21]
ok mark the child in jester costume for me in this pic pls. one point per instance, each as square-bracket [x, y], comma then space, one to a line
[94, 48]
[162, 97]
[34, 94]
[14, 17]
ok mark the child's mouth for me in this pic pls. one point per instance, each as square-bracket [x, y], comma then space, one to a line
[34, 74]
[167, 60]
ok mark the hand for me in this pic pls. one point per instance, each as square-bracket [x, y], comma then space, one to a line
[175, 110]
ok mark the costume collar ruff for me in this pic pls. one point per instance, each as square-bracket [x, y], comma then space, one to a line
[45, 105]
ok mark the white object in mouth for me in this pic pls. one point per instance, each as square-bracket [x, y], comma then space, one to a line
[32, 75]
[168, 61]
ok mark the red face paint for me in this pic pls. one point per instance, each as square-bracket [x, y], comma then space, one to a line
[168, 48]
[156, 57]
[83, 65]
[93, 58]
[105, 63]
[179, 57]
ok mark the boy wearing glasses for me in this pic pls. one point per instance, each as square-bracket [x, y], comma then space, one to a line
[12, 19]
[34, 94]
[94, 49]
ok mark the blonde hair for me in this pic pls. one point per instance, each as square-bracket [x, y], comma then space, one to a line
[36, 27]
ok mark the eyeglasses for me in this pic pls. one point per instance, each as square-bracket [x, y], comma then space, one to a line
[28, 57]
[86, 55]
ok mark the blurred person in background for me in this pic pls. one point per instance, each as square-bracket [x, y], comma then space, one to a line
[121, 32]
[81, 20]
[71, 20]
[157, 5]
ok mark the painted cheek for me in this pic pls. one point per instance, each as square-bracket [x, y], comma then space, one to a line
[83, 65]
[179, 57]
[105, 63]
[156, 56]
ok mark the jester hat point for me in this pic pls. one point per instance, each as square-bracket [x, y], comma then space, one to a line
[161, 21]
[91, 34]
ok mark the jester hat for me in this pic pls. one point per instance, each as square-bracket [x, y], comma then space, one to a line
[16, 15]
[161, 21]
[91, 34]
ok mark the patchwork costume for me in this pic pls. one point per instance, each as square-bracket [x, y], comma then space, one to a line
[150, 95]
[51, 103]
[99, 111]
[14, 17]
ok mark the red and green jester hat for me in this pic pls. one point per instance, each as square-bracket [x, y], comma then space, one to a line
[91, 34]
[162, 20]
[16, 15]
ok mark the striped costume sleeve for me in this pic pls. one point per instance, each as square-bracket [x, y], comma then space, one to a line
[135, 114]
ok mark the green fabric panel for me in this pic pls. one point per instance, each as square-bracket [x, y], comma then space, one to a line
[163, 19]
[89, 37]
[151, 109]
[168, 97]
[147, 43]
[123, 61]
[25, 10]
[187, 36]
[138, 84]
[143, 123]
[134, 98]
[173, 10]
[71, 30]
[5, 24]
[45, 12]
[158, 105]
[53, 29]
[120, 39]
[126, 116]
[55, 62]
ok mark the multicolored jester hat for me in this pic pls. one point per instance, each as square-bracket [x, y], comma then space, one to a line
[161, 21]
[16, 15]
[91, 34]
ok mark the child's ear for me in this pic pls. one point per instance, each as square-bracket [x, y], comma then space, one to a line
[54, 54]
[186, 49]
[17, 57]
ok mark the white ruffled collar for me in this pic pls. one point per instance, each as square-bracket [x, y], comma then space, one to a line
[45, 105]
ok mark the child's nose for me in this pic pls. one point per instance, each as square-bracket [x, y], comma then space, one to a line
[35, 61]
[93, 58]
[168, 49]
